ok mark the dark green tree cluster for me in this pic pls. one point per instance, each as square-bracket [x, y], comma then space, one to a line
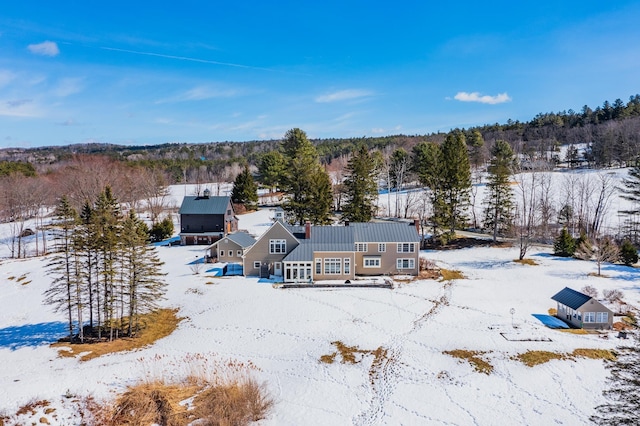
[445, 170]
[628, 253]
[245, 190]
[360, 187]
[104, 273]
[8, 168]
[161, 230]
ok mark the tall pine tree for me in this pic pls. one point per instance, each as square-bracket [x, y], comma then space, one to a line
[498, 213]
[308, 195]
[360, 187]
[61, 293]
[452, 183]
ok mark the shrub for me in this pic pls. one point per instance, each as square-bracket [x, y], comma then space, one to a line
[590, 291]
[238, 402]
[161, 230]
[612, 296]
[628, 253]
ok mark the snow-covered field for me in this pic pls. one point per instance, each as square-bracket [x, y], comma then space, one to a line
[284, 333]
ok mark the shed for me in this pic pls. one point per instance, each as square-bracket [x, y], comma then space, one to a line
[582, 311]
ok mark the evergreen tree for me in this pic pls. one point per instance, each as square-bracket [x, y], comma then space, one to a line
[475, 141]
[161, 230]
[107, 220]
[628, 253]
[564, 245]
[424, 162]
[271, 169]
[498, 214]
[245, 190]
[623, 391]
[320, 197]
[360, 187]
[452, 183]
[62, 267]
[301, 179]
[85, 243]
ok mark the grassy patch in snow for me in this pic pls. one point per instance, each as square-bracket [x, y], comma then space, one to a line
[553, 312]
[158, 324]
[533, 358]
[526, 262]
[352, 354]
[573, 330]
[473, 358]
[448, 275]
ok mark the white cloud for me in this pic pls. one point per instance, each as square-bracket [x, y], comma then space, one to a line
[19, 108]
[46, 48]
[343, 95]
[68, 86]
[201, 93]
[483, 99]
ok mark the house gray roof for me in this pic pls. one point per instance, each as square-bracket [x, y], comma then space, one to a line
[571, 298]
[371, 232]
[243, 239]
[201, 205]
[344, 238]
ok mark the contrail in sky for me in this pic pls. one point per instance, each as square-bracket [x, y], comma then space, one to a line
[186, 58]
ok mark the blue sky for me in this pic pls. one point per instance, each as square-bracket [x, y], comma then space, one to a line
[137, 73]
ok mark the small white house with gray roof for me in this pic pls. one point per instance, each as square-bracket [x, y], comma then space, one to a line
[582, 311]
[312, 253]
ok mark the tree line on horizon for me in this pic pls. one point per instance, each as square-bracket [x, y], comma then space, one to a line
[610, 134]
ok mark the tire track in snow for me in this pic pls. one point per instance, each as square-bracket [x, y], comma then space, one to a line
[385, 369]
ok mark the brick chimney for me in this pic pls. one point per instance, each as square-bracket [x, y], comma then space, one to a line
[416, 223]
[307, 230]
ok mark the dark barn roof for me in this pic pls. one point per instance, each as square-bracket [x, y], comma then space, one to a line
[204, 205]
[571, 298]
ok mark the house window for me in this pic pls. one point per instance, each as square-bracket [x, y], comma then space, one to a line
[256, 264]
[277, 246]
[602, 317]
[347, 266]
[589, 317]
[361, 246]
[221, 253]
[371, 262]
[406, 263]
[332, 266]
[239, 253]
[406, 248]
[382, 247]
[318, 266]
[228, 212]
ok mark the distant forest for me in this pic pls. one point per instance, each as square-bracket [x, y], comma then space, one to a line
[604, 136]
